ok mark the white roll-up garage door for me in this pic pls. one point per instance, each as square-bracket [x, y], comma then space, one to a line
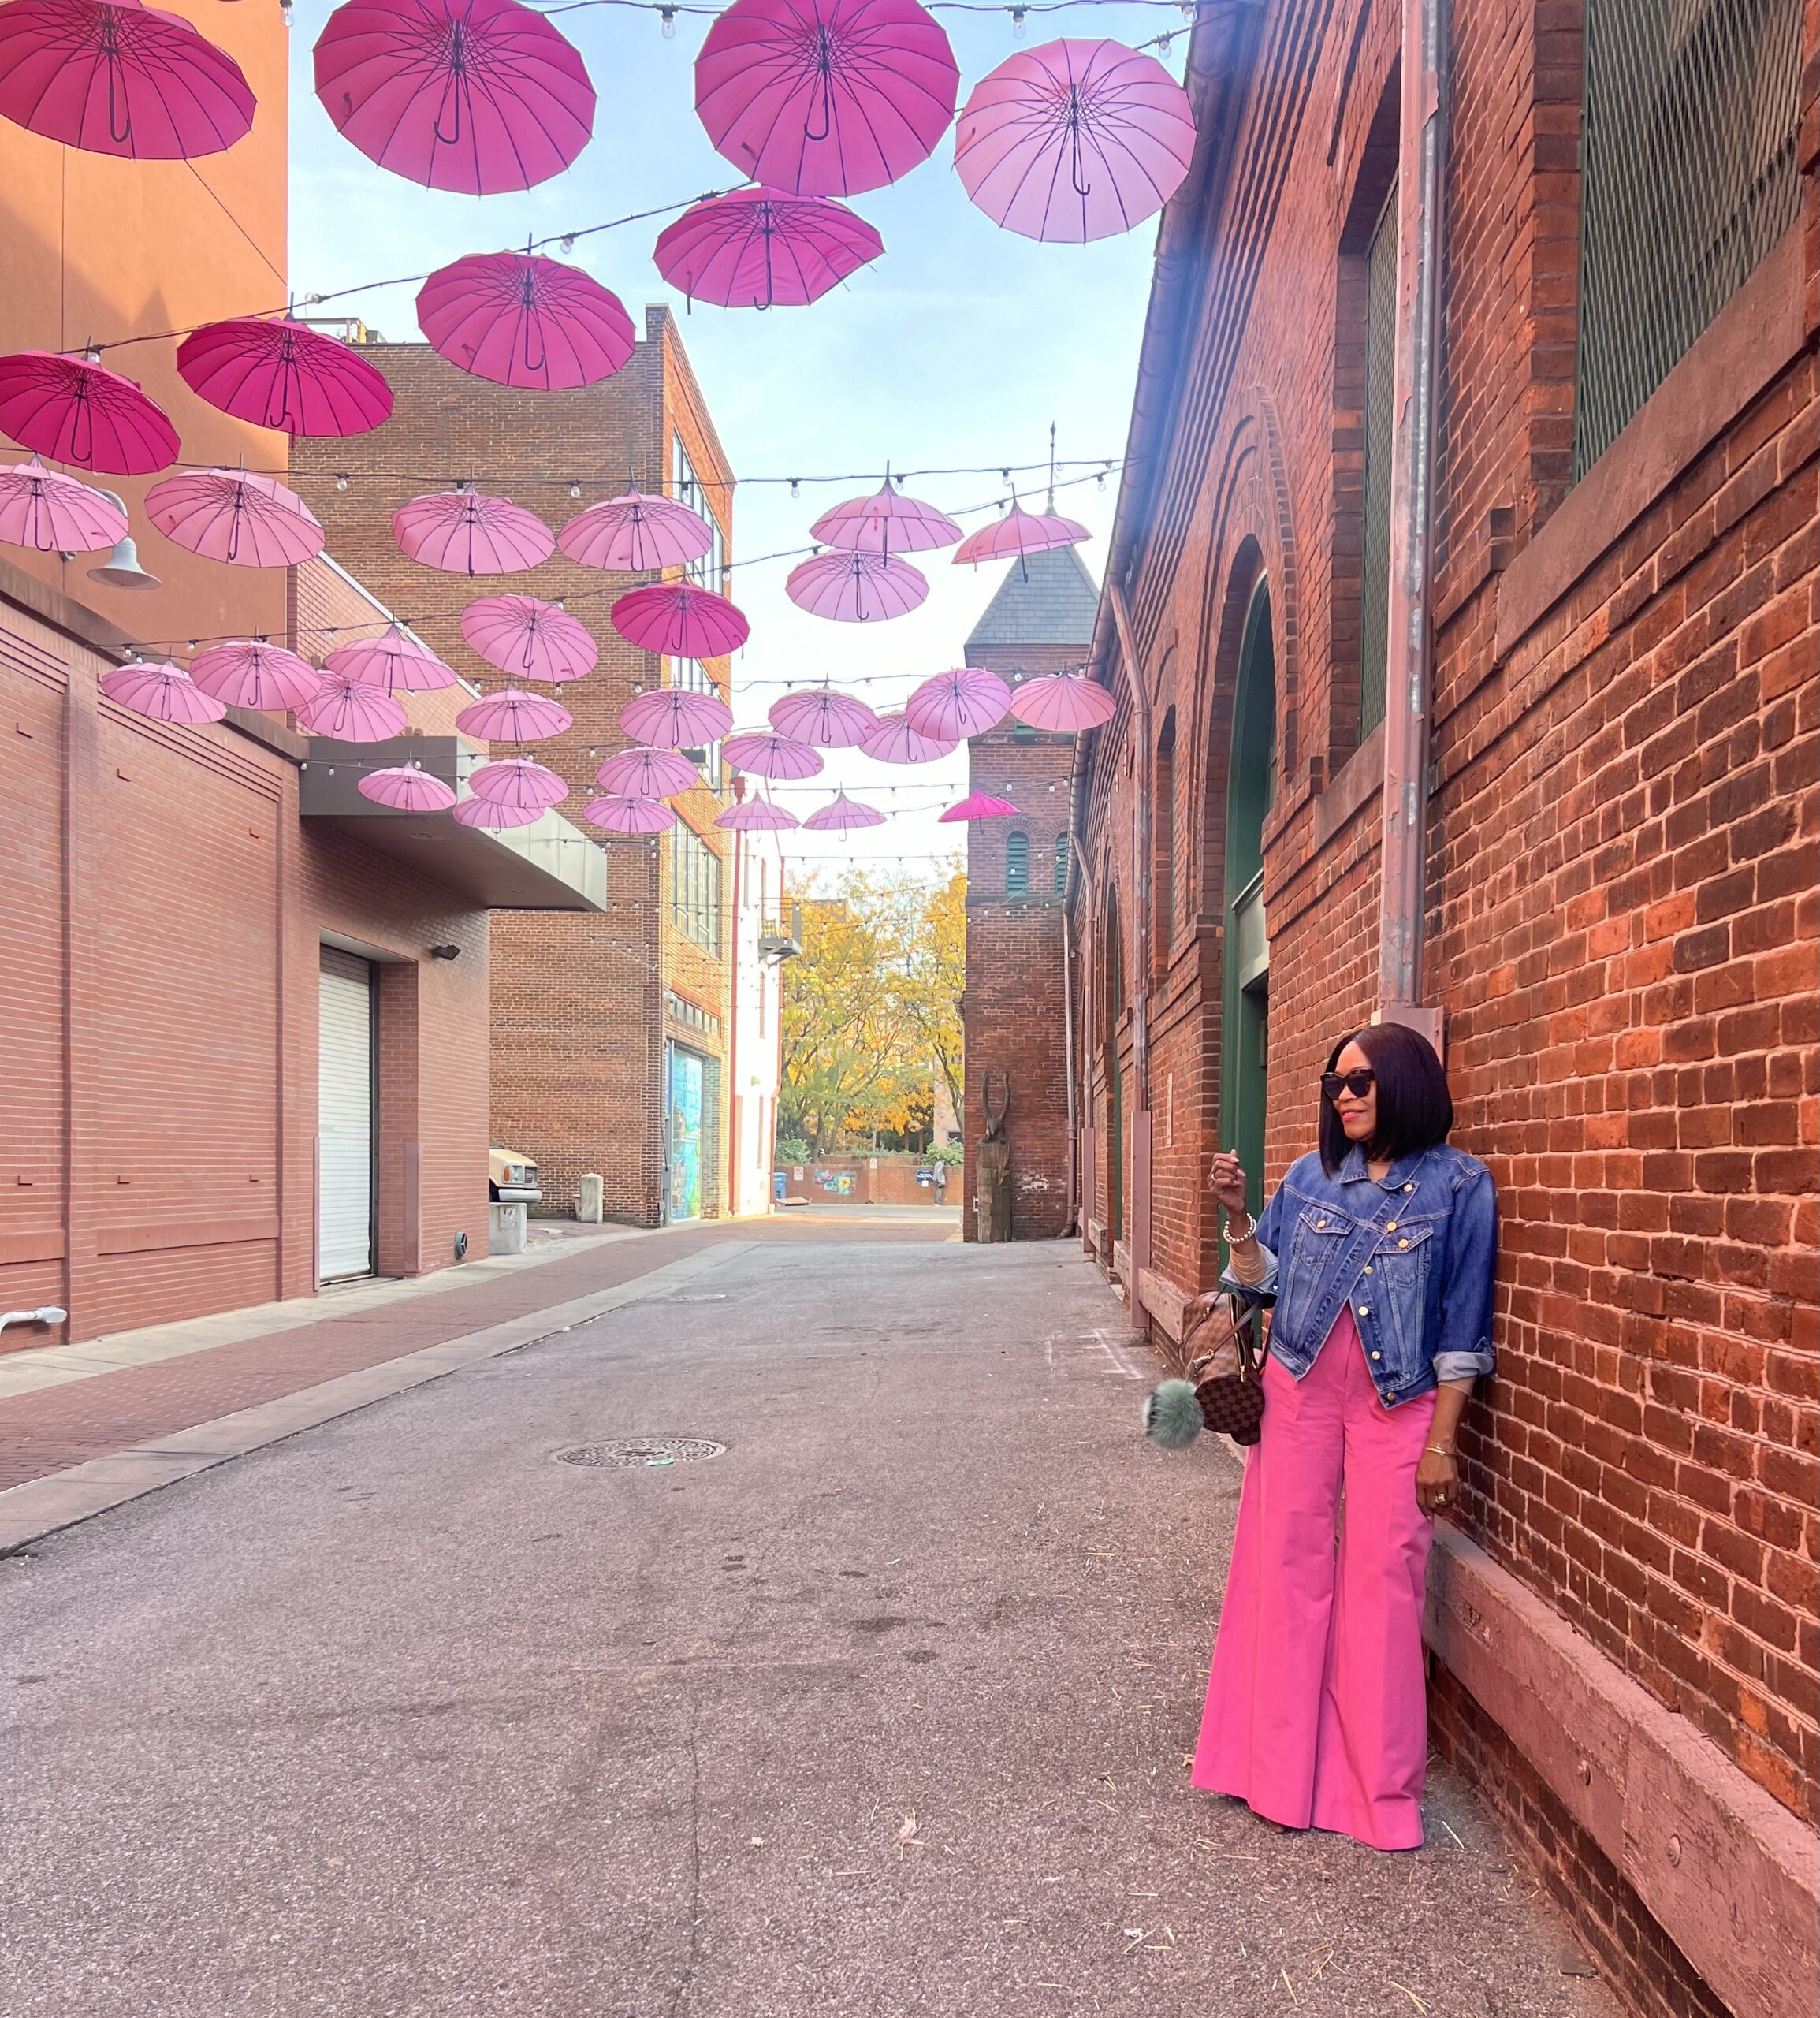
[344, 1118]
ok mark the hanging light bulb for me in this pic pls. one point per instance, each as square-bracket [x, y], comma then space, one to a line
[568, 241]
[1017, 15]
[340, 482]
[796, 486]
[668, 16]
[575, 490]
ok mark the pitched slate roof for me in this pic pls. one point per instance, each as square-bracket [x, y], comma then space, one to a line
[1050, 599]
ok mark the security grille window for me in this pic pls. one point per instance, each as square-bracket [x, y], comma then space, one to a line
[1017, 864]
[1380, 394]
[1061, 865]
[1689, 177]
[688, 489]
[695, 888]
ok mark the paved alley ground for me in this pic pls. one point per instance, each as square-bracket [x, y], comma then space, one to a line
[884, 1710]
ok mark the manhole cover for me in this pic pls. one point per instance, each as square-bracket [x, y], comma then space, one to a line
[628, 1454]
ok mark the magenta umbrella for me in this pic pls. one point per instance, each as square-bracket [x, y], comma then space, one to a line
[1063, 702]
[253, 674]
[979, 805]
[764, 249]
[894, 742]
[530, 640]
[518, 781]
[473, 96]
[463, 533]
[635, 534]
[856, 588]
[1018, 533]
[680, 620]
[765, 755]
[76, 411]
[236, 515]
[488, 813]
[675, 718]
[519, 319]
[512, 716]
[622, 815]
[164, 692]
[756, 816]
[886, 523]
[842, 815]
[53, 513]
[395, 662]
[825, 98]
[113, 77]
[641, 773]
[407, 789]
[823, 715]
[1073, 141]
[967, 701]
[348, 711]
[277, 373]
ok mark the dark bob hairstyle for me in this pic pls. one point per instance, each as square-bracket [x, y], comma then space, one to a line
[1415, 1109]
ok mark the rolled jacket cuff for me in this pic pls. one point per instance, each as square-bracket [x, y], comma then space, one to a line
[1463, 1366]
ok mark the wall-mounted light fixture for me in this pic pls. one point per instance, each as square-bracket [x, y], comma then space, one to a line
[445, 952]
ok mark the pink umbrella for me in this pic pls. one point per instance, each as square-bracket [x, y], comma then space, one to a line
[825, 98]
[842, 815]
[521, 320]
[1063, 702]
[768, 756]
[680, 620]
[677, 718]
[350, 712]
[255, 674]
[856, 588]
[165, 692]
[966, 702]
[1018, 533]
[823, 715]
[278, 373]
[407, 788]
[635, 534]
[113, 77]
[463, 533]
[512, 716]
[646, 773]
[756, 816]
[235, 515]
[894, 742]
[518, 781]
[489, 813]
[473, 96]
[75, 411]
[886, 522]
[1074, 141]
[53, 513]
[979, 805]
[530, 640]
[395, 662]
[620, 815]
[764, 249]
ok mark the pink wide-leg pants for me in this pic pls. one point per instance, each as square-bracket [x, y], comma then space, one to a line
[1316, 1707]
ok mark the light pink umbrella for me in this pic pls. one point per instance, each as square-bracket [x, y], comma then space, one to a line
[487, 813]
[765, 755]
[53, 513]
[236, 515]
[530, 640]
[165, 692]
[113, 77]
[764, 249]
[967, 701]
[979, 805]
[635, 534]
[823, 715]
[1063, 702]
[518, 781]
[620, 815]
[348, 712]
[252, 674]
[473, 96]
[640, 772]
[886, 523]
[1018, 533]
[463, 533]
[894, 742]
[519, 319]
[278, 373]
[512, 716]
[675, 718]
[74, 410]
[825, 98]
[407, 788]
[756, 816]
[679, 621]
[856, 588]
[842, 815]
[1073, 141]
[395, 662]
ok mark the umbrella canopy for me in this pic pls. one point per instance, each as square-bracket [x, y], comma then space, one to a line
[520, 320]
[513, 716]
[979, 805]
[765, 755]
[53, 513]
[489, 813]
[641, 773]
[1018, 533]
[619, 815]
[756, 816]
[395, 662]
[278, 373]
[348, 711]
[1074, 141]
[675, 718]
[1064, 702]
[407, 788]
[635, 534]
[764, 249]
[894, 742]
[165, 692]
[517, 781]
[473, 96]
[236, 515]
[886, 523]
[113, 77]
[823, 715]
[842, 815]
[252, 674]
[76, 411]
[967, 701]
[530, 640]
[856, 588]
[680, 620]
[463, 533]
[825, 98]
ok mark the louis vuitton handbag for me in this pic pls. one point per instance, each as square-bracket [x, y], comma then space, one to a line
[1224, 1391]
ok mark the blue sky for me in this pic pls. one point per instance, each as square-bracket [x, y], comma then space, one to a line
[958, 347]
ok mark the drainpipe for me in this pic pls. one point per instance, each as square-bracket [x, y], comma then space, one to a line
[1076, 878]
[733, 1023]
[1140, 844]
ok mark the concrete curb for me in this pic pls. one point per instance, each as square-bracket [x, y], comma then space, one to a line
[42, 1506]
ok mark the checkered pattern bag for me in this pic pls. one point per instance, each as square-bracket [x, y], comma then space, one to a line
[1227, 1368]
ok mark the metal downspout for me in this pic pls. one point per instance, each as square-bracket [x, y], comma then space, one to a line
[1141, 843]
[1076, 877]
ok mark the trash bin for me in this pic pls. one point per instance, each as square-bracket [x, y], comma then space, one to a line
[779, 1186]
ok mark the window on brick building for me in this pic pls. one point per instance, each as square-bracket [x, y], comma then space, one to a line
[1017, 864]
[1061, 865]
[695, 888]
[688, 489]
[1380, 434]
[1162, 847]
[1690, 174]
[693, 675]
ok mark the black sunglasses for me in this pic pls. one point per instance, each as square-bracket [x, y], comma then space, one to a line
[1358, 1084]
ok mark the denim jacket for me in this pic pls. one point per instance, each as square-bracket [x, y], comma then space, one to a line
[1415, 1250]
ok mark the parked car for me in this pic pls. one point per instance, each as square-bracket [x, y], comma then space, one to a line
[512, 1178]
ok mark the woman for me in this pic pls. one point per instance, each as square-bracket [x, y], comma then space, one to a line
[1380, 1250]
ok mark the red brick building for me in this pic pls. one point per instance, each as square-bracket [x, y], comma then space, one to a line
[1607, 650]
